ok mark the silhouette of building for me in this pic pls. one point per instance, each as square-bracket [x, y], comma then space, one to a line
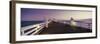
[72, 22]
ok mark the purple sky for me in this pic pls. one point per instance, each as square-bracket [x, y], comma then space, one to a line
[30, 14]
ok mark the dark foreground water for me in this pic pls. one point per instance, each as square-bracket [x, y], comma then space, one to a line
[27, 23]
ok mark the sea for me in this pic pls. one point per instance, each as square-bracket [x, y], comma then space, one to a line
[27, 23]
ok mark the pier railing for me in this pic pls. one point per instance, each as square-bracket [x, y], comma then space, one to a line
[32, 29]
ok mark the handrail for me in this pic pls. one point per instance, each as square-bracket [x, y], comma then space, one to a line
[33, 30]
[38, 27]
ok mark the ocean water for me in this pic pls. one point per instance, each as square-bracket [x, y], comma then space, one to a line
[27, 23]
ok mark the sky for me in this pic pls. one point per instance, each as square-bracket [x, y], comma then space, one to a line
[33, 14]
